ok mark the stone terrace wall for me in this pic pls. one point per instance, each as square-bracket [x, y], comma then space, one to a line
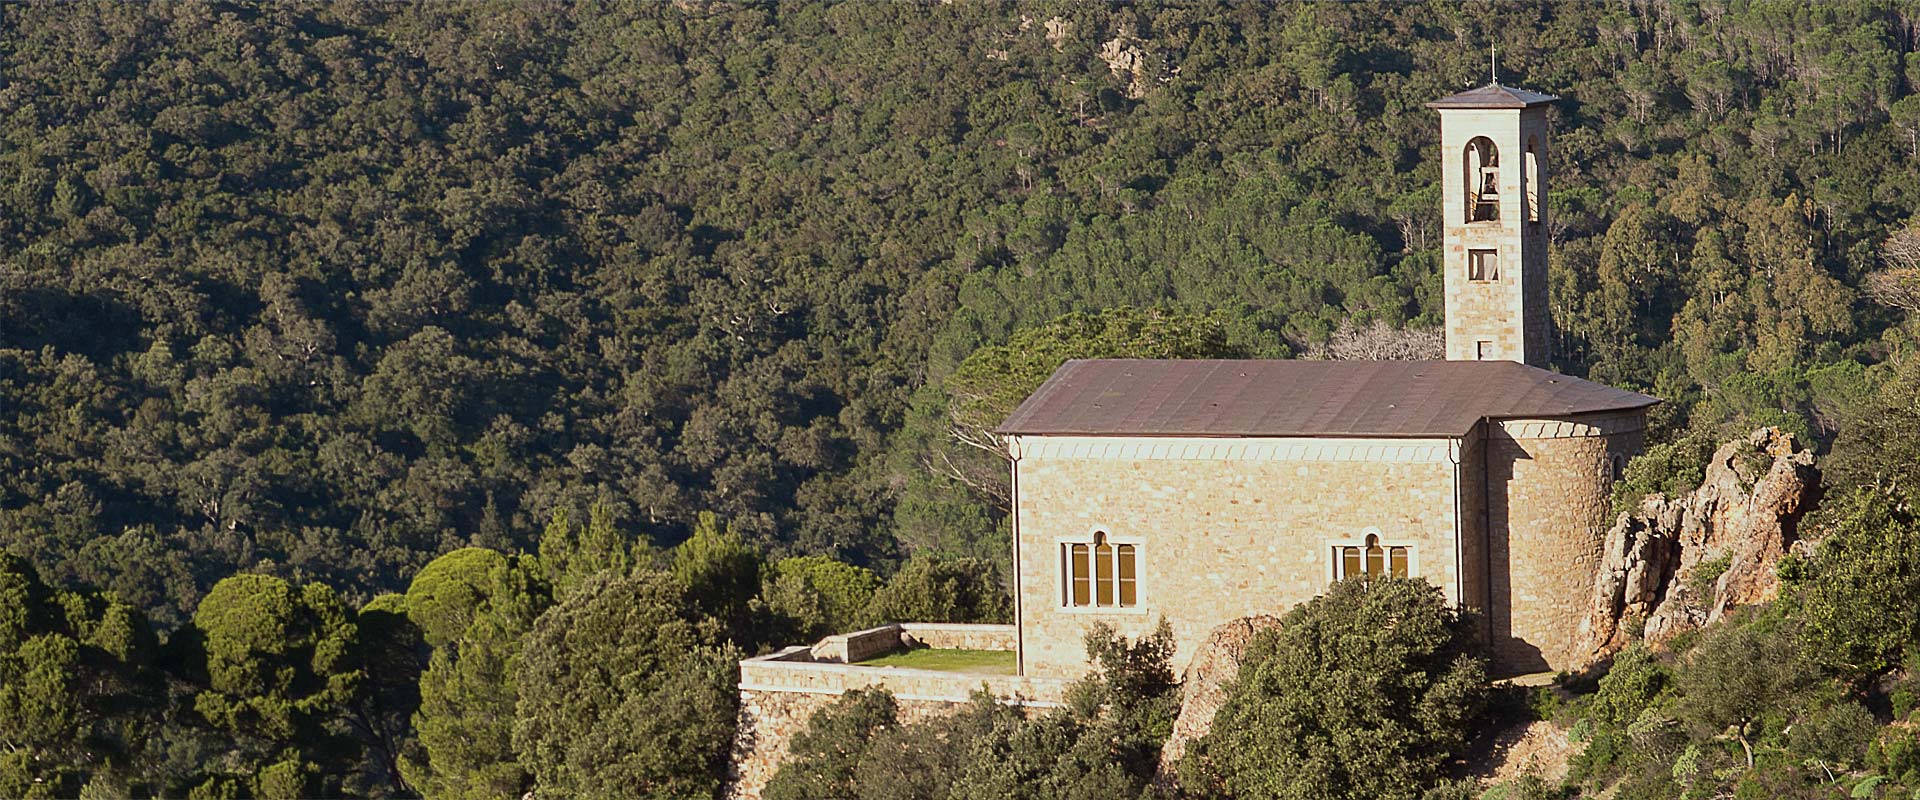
[849, 648]
[768, 722]
[780, 692]
[958, 636]
[790, 671]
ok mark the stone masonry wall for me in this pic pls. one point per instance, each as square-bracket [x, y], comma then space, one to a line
[768, 722]
[1549, 493]
[1510, 313]
[1227, 528]
[780, 691]
[961, 636]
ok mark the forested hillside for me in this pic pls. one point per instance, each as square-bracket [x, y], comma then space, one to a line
[325, 290]
[313, 294]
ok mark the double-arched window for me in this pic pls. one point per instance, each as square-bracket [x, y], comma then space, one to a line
[1099, 573]
[1371, 559]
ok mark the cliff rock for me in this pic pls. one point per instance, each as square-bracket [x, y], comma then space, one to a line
[1204, 686]
[1676, 564]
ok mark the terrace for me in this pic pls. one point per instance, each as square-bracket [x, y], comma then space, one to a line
[915, 661]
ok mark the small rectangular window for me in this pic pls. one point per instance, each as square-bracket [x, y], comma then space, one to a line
[1483, 350]
[1100, 574]
[1483, 265]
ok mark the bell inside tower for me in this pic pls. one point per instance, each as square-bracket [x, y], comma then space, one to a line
[1482, 180]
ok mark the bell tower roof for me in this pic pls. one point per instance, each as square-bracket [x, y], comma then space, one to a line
[1493, 95]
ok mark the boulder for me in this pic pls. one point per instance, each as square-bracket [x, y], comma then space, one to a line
[1676, 564]
[1204, 686]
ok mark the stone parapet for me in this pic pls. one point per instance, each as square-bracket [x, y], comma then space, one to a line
[962, 636]
[850, 648]
[847, 648]
[790, 671]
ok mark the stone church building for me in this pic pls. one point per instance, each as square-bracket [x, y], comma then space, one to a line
[1203, 491]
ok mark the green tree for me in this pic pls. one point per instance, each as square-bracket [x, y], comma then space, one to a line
[474, 608]
[1853, 593]
[393, 653]
[77, 692]
[282, 670]
[817, 596]
[1739, 673]
[941, 590]
[572, 556]
[1364, 692]
[823, 759]
[624, 694]
[722, 573]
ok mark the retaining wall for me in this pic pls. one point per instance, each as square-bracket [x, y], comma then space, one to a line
[779, 692]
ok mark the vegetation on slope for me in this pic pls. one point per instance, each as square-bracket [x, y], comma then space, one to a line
[306, 306]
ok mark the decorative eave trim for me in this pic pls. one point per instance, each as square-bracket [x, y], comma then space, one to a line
[1120, 448]
[1575, 428]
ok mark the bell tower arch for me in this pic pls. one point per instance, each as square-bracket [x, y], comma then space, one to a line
[1494, 176]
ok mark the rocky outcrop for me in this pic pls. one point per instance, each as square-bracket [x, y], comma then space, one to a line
[1204, 686]
[1676, 564]
[1126, 57]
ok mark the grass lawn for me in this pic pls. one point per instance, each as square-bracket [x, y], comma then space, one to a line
[988, 662]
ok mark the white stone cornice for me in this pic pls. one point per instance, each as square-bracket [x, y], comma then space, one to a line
[1572, 428]
[1144, 448]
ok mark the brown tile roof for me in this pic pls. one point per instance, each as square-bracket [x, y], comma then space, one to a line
[1493, 95]
[1150, 397]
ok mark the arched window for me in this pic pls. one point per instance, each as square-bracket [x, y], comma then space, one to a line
[1482, 164]
[1531, 175]
[1099, 573]
[1371, 559]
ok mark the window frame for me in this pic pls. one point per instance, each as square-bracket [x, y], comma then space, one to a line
[1493, 256]
[1333, 547]
[1063, 573]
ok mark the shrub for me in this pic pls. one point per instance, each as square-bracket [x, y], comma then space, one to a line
[941, 590]
[822, 759]
[1364, 692]
[1856, 598]
[1672, 469]
[816, 596]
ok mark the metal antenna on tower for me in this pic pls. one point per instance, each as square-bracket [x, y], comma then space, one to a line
[1493, 58]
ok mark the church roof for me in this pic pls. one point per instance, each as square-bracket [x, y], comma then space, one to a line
[1415, 399]
[1493, 95]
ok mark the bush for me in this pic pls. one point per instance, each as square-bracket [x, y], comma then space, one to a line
[1104, 743]
[1365, 692]
[822, 759]
[816, 596]
[1672, 469]
[941, 590]
[1857, 596]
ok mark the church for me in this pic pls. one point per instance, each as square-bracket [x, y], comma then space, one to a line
[1200, 492]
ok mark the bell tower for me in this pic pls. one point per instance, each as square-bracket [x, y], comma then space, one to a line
[1493, 178]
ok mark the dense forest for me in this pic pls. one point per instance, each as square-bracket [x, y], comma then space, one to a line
[357, 358]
